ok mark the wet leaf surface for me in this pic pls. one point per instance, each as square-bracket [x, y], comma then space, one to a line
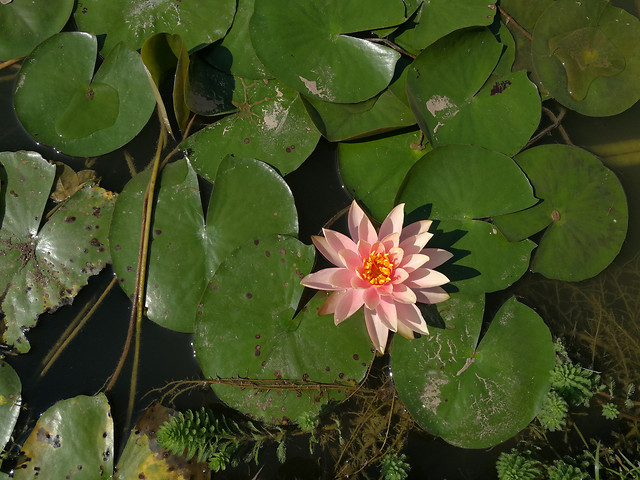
[10, 401]
[476, 393]
[41, 270]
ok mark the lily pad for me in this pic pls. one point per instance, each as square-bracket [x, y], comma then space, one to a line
[144, 458]
[306, 45]
[582, 206]
[133, 21]
[476, 393]
[460, 185]
[257, 337]
[271, 124]
[586, 55]
[23, 25]
[373, 171]
[43, 269]
[74, 435]
[10, 401]
[61, 103]
[437, 18]
[208, 90]
[184, 254]
[453, 103]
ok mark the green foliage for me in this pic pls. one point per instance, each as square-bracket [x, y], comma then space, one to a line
[217, 439]
[553, 412]
[561, 470]
[610, 411]
[517, 466]
[394, 467]
[574, 383]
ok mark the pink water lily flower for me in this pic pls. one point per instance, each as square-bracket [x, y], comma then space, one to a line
[387, 272]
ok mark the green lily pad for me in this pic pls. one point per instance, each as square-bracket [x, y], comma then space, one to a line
[144, 458]
[271, 124]
[373, 171]
[476, 393]
[586, 55]
[10, 401]
[453, 103]
[132, 21]
[235, 53]
[460, 185]
[61, 103]
[73, 438]
[44, 269]
[208, 90]
[306, 46]
[437, 18]
[583, 208]
[258, 337]
[184, 254]
[23, 25]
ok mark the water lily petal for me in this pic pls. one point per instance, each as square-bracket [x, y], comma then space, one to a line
[415, 243]
[405, 331]
[414, 261]
[341, 278]
[359, 282]
[323, 247]
[399, 275]
[431, 295]
[403, 294]
[329, 305]
[356, 214]
[396, 255]
[437, 256]
[366, 231]
[425, 278]
[377, 331]
[393, 222]
[371, 297]
[338, 241]
[348, 304]
[414, 229]
[386, 311]
[391, 241]
[364, 249]
[350, 259]
[321, 280]
[410, 316]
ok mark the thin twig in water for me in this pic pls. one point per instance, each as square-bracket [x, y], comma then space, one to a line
[509, 19]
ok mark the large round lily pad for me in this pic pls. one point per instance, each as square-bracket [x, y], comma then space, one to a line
[44, 268]
[133, 21]
[307, 46]
[583, 208]
[586, 54]
[24, 24]
[74, 435]
[453, 102]
[476, 393]
[245, 329]
[61, 103]
[460, 186]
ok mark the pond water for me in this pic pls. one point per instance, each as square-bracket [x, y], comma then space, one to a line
[598, 318]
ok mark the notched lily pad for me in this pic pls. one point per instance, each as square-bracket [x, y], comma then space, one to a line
[42, 269]
[476, 394]
[582, 207]
[285, 358]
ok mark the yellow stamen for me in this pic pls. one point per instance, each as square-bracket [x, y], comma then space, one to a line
[377, 269]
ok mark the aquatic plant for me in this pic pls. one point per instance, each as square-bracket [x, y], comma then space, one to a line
[217, 439]
[386, 271]
[561, 470]
[553, 412]
[574, 383]
[517, 465]
[394, 467]
[610, 411]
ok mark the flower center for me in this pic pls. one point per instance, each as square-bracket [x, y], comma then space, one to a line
[377, 269]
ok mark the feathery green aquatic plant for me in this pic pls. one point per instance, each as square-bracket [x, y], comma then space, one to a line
[553, 412]
[394, 467]
[561, 470]
[574, 383]
[217, 439]
[517, 466]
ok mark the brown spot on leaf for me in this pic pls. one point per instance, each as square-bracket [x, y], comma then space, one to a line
[69, 219]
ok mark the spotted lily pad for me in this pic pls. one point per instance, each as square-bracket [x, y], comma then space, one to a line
[23, 25]
[453, 102]
[271, 124]
[184, 253]
[476, 393]
[42, 269]
[459, 186]
[246, 329]
[133, 21]
[72, 439]
[582, 207]
[60, 101]
[586, 55]
[307, 46]
[10, 400]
